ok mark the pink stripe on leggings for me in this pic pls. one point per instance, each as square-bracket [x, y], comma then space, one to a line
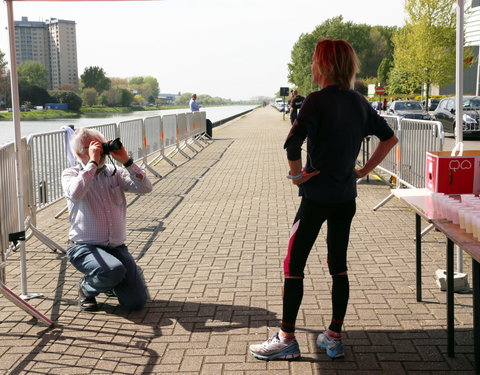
[286, 261]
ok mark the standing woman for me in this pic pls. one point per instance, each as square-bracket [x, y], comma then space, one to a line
[335, 120]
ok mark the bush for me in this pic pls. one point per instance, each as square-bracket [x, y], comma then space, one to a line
[35, 95]
[73, 100]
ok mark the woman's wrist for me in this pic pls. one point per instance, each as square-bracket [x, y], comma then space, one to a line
[294, 177]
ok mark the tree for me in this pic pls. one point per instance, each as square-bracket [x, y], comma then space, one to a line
[94, 76]
[153, 83]
[90, 96]
[73, 100]
[127, 98]
[371, 44]
[138, 99]
[4, 81]
[33, 94]
[184, 98]
[424, 47]
[68, 87]
[32, 73]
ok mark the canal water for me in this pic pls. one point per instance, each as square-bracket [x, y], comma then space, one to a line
[7, 131]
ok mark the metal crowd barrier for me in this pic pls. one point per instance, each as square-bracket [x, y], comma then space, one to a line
[44, 162]
[8, 191]
[49, 158]
[9, 222]
[406, 161]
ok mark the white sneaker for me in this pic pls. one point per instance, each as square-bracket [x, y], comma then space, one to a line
[276, 348]
[333, 346]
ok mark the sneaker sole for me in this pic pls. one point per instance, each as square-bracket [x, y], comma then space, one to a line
[288, 356]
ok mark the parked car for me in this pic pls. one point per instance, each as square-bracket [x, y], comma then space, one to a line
[377, 106]
[407, 109]
[445, 113]
[433, 104]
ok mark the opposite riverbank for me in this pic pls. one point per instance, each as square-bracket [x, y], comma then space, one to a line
[52, 113]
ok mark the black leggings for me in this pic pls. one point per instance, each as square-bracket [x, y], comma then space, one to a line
[308, 221]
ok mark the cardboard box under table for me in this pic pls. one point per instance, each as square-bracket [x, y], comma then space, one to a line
[453, 174]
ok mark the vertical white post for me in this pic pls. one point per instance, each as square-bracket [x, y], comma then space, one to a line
[459, 97]
[18, 142]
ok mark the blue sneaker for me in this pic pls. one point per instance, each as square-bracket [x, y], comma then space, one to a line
[276, 348]
[333, 345]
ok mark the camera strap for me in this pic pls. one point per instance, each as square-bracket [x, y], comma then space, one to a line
[114, 166]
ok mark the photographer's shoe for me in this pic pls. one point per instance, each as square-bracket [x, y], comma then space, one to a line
[86, 303]
[110, 293]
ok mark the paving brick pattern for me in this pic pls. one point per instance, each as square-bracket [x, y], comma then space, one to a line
[210, 240]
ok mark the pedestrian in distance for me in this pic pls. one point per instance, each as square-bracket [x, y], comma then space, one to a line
[194, 106]
[296, 104]
[335, 120]
[97, 207]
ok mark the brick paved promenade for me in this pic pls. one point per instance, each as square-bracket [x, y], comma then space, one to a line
[210, 240]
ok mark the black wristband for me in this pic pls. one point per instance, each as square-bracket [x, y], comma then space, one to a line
[128, 163]
[93, 162]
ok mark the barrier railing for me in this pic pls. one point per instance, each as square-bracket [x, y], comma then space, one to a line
[43, 168]
[183, 134]
[49, 159]
[406, 161]
[389, 164]
[9, 221]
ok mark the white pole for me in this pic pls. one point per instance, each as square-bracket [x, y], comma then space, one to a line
[18, 140]
[459, 97]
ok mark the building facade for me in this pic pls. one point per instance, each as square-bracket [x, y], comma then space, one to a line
[52, 43]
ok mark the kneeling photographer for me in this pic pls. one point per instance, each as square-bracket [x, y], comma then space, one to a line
[95, 193]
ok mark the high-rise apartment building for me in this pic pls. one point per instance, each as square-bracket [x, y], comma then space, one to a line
[52, 43]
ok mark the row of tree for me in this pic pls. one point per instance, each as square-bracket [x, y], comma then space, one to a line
[419, 54]
[95, 89]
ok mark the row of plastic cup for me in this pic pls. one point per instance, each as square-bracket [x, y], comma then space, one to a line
[464, 211]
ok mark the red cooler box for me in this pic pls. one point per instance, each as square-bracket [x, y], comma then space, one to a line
[453, 174]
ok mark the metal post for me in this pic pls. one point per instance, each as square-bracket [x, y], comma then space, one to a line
[18, 140]
[450, 301]
[476, 313]
[459, 97]
[418, 261]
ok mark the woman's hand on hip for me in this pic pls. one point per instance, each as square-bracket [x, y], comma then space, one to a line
[305, 177]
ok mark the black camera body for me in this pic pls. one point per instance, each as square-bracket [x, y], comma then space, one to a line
[110, 146]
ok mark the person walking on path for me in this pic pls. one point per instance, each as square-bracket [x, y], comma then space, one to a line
[335, 120]
[97, 208]
[295, 105]
[194, 106]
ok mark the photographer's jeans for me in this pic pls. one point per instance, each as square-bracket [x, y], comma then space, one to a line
[109, 268]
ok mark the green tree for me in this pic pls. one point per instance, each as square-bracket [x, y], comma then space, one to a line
[90, 96]
[32, 73]
[184, 98]
[73, 100]
[372, 44]
[138, 99]
[34, 95]
[4, 81]
[127, 97]
[425, 47]
[94, 76]
[153, 83]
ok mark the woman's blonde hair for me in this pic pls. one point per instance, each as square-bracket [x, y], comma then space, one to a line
[337, 61]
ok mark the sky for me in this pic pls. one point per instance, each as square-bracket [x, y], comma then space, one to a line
[236, 49]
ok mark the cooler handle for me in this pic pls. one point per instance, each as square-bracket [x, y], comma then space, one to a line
[458, 147]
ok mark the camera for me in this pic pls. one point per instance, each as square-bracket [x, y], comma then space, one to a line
[110, 146]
